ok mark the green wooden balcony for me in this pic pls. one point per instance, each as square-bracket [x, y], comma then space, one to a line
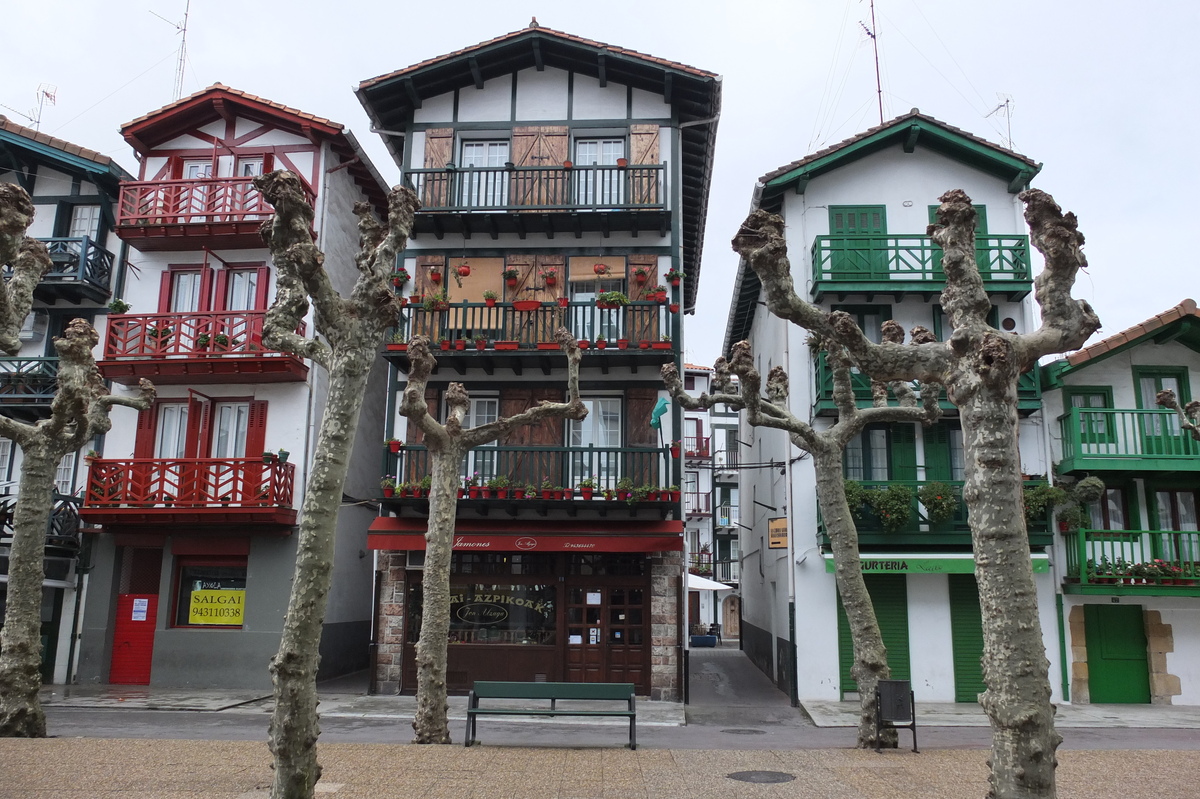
[1146, 562]
[27, 386]
[920, 532]
[913, 264]
[1116, 440]
[564, 467]
[1029, 391]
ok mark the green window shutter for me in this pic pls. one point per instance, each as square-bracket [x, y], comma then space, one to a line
[857, 220]
[937, 452]
[889, 595]
[904, 452]
[966, 636]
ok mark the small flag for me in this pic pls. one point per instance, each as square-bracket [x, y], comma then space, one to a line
[657, 414]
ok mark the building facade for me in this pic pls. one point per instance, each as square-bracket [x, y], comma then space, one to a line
[194, 504]
[856, 215]
[555, 173]
[74, 191]
[1129, 571]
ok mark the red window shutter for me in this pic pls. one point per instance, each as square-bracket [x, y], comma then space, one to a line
[264, 279]
[143, 444]
[222, 284]
[199, 433]
[206, 286]
[164, 293]
[256, 428]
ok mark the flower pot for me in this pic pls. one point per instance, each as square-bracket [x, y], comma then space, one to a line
[652, 496]
[547, 345]
[460, 344]
[674, 281]
[398, 347]
[601, 344]
[641, 279]
[485, 493]
[622, 162]
[526, 305]
[284, 455]
[674, 450]
[568, 493]
[441, 306]
[623, 343]
[587, 493]
[547, 493]
[394, 446]
[462, 492]
[402, 300]
[511, 282]
[397, 281]
[563, 302]
[660, 345]
[389, 492]
[558, 494]
[490, 302]
[435, 277]
[464, 270]
[551, 281]
[481, 345]
[644, 345]
[501, 493]
[584, 343]
[473, 492]
[414, 299]
[567, 165]
[445, 345]
[507, 345]
[600, 269]
[518, 493]
[268, 457]
[675, 495]
[674, 307]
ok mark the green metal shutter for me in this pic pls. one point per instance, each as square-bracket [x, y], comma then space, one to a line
[904, 452]
[889, 595]
[966, 635]
[937, 452]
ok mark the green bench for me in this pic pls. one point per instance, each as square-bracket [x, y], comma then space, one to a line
[553, 691]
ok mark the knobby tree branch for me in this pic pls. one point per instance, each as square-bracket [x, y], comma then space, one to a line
[1189, 415]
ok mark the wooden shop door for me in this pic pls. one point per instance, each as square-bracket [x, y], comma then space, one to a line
[136, 617]
[606, 635]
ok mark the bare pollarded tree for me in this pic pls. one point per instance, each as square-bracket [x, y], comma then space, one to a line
[352, 328]
[78, 413]
[980, 366]
[1189, 415]
[448, 445]
[826, 447]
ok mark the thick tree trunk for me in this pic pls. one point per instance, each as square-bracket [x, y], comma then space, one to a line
[870, 655]
[294, 722]
[430, 722]
[21, 713]
[1015, 668]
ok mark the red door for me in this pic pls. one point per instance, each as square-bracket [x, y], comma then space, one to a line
[133, 639]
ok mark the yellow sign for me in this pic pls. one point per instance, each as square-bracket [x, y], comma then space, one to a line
[217, 607]
[777, 533]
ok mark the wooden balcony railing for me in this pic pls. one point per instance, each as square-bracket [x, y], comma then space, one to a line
[920, 530]
[636, 322]
[696, 503]
[1029, 390]
[697, 446]
[1133, 561]
[1097, 439]
[724, 459]
[562, 466]
[188, 484]
[727, 571]
[540, 188]
[913, 263]
[726, 516]
[78, 262]
[28, 381]
[195, 201]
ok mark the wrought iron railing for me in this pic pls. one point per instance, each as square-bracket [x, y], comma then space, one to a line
[1127, 439]
[697, 503]
[189, 483]
[194, 335]
[700, 563]
[727, 571]
[77, 259]
[635, 323]
[547, 188]
[193, 201]
[726, 458]
[28, 380]
[1133, 557]
[562, 466]
[696, 446]
[911, 262]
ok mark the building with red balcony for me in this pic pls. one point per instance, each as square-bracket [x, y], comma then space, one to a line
[563, 182]
[193, 504]
[74, 191]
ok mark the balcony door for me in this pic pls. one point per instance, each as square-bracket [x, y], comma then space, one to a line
[1176, 512]
[599, 187]
[854, 253]
[1161, 434]
[481, 461]
[196, 198]
[595, 442]
[240, 288]
[487, 187]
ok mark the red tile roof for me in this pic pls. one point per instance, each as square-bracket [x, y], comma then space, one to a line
[1184, 309]
[533, 26]
[913, 114]
[253, 98]
[50, 141]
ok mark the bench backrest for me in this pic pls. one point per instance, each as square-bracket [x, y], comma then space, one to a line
[553, 690]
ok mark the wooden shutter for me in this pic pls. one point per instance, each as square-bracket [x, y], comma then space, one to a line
[903, 452]
[434, 189]
[147, 424]
[524, 264]
[512, 402]
[966, 637]
[889, 596]
[256, 429]
[164, 292]
[542, 146]
[937, 452]
[199, 427]
[414, 433]
[643, 144]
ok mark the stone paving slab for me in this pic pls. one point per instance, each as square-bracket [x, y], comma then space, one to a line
[950, 714]
[145, 698]
[158, 769]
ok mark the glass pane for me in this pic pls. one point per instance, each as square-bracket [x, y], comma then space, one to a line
[1166, 515]
[242, 294]
[1115, 499]
[211, 596]
[958, 464]
[229, 433]
[171, 438]
[878, 454]
[1187, 510]
[85, 221]
[854, 458]
[185, 292]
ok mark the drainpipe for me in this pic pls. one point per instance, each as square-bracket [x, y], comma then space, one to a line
[793, 686]
[81, 571]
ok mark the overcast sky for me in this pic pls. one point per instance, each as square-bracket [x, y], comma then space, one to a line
[1103, 93]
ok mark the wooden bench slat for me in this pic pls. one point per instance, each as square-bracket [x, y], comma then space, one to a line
[554, 692]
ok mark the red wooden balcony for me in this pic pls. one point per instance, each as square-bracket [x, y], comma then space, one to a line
[195, 348]
[697, 504]
[186, 214]
[697, 447]
[191, 491]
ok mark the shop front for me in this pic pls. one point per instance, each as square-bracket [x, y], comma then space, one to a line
[570, 606]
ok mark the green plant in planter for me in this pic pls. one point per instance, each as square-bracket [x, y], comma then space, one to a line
[857, 498]
[119, 306]
[499, 481]
[387, 482]
[1041, 499]
[893, 505]
[426, 482]
[612, 298]
[940, 501]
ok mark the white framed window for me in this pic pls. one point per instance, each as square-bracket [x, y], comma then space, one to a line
[250, 166]
[230, 421]
[587, 321]
[599, 186]
[487, 188]
[241, 290]
[185, 291]
[595, 442]
[85, 221]
[170, 437]
[64, 474]
[482, 459]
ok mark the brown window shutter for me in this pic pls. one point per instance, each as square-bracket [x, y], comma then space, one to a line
[439, 151]
[643, 144]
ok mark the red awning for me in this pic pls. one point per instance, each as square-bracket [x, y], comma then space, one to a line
[391, 532]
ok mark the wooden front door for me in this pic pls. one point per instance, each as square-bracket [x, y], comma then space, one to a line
[136, 617]
[606, 635]
[1118, 671]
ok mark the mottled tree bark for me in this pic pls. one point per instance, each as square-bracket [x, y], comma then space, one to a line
[78, 413]
[448, 444]
[1189, 415]
[979, 366]
[826, 447]
[353, 329]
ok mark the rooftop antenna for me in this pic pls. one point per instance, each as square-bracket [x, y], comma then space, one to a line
[47, 94]
[181, 29]
[875, 44]
[1004, 109]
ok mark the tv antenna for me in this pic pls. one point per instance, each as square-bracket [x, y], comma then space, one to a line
[181, 29]
[875, 44]
[1004, 109]
[47, 94]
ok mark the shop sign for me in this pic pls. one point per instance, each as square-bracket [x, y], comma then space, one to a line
[777, 533]
[481, 613]
[217, 607]
[902, 564]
